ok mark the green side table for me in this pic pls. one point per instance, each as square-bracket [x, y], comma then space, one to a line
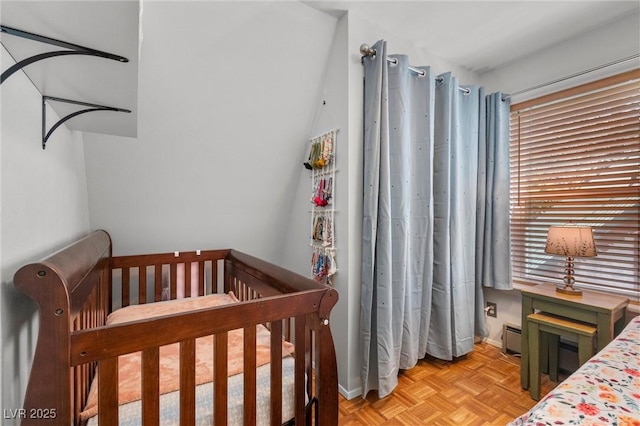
[607, 312]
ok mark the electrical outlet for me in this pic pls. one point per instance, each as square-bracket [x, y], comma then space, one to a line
[492, 309]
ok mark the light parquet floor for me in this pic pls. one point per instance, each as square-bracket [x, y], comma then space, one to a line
[479, 389]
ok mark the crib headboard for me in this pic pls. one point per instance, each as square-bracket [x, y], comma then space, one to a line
[64, 285]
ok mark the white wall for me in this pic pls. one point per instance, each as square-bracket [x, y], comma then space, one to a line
[618, 39]
[228, 91]
[331, 112]
[608, 43]
[43, 207]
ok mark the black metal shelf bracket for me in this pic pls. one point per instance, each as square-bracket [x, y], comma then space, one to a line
[91, 107]
[74, 49]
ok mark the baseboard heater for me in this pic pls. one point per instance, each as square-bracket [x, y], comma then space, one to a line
[512, 344]
[511, 338]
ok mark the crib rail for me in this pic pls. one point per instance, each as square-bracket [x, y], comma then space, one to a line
[105, 344]
[148, 278]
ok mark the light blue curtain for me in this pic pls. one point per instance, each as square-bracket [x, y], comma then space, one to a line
[455, 187]
[419, 289]
[398, 219]
[493, 261]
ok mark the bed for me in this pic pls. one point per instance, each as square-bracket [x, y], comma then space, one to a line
[603, 391]
[152, 337]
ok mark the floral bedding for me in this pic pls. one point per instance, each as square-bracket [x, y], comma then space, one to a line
[603, 391]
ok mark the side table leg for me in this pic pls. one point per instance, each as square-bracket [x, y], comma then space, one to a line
[605, 328]
[527, 308]
[534, 360]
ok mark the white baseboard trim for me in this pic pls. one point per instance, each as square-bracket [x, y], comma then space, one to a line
[349, 394]
[497, 344]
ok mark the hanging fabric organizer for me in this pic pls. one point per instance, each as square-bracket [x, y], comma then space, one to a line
[321, 162]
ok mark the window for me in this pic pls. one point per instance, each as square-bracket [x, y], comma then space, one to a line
[575, 158]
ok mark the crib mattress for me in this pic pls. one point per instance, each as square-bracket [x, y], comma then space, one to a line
[605, 390]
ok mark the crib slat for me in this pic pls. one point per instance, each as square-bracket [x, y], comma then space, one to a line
[107, 392]
[308, 344]
[220, 377]
[188, 382]
[187, 279]
[300, 336]
[173, 278]
[201, 288]
[214, 276]
[250, 375]
[125, 286]
[276, 373]
[79, 388]
[228, 273]
[151, 387]
[158, 282]
[287, 329]
[94, 313]
[105, 286]
[142, 285]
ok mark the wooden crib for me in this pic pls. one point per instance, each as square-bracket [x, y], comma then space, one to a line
[77, 287]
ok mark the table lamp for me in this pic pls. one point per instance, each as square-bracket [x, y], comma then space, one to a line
[570, 241]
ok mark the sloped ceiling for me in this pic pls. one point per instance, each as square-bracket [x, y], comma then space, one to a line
[484, 35]
[110, 26]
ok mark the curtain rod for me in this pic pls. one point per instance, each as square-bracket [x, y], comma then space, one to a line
[568, 77]
[367, 50]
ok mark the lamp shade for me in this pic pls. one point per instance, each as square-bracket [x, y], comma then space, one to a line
[571, 241]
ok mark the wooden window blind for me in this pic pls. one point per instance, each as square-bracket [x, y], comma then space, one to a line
[575, 158]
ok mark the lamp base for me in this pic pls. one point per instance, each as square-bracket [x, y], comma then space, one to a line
[569, 290]
[569, 280]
